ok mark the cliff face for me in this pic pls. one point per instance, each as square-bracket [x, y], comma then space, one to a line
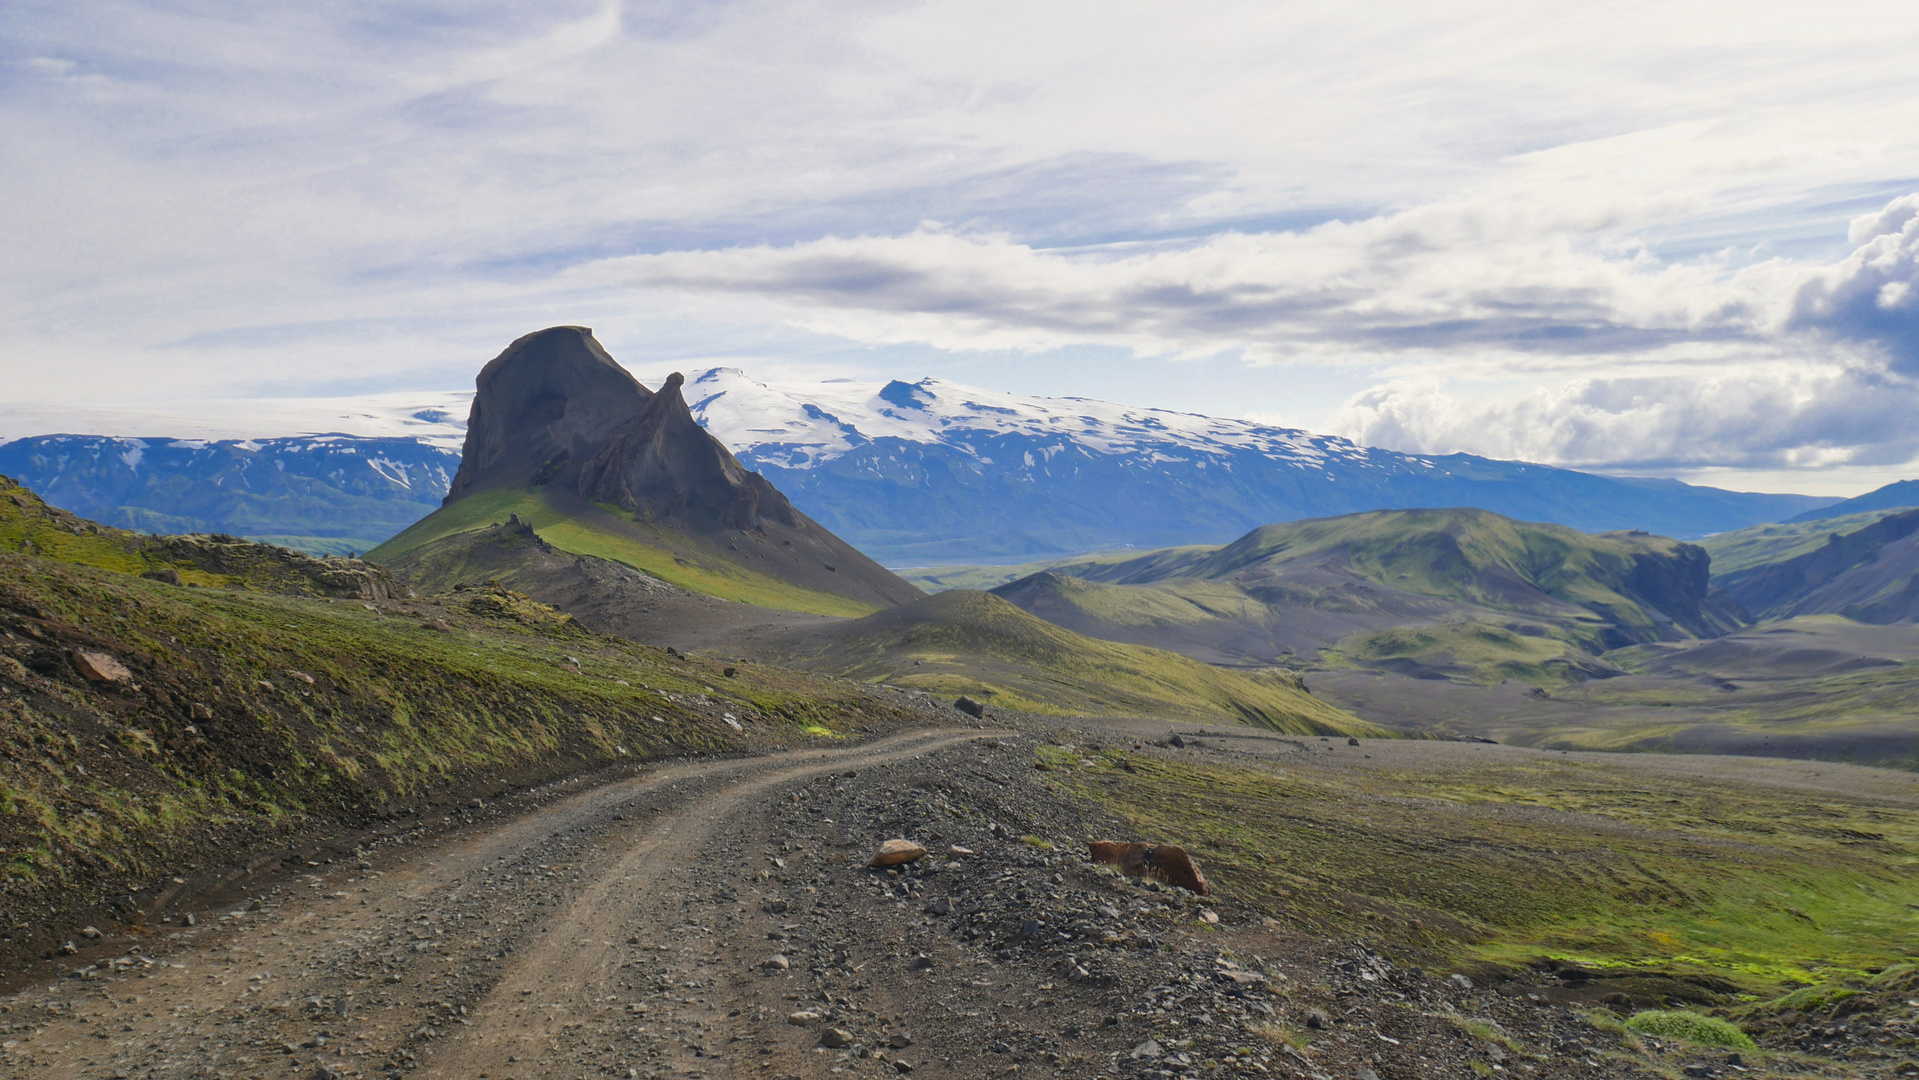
[662, 464]
[545, 405]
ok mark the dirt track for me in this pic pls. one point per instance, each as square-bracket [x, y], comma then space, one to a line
[502, 956]
[716, 919]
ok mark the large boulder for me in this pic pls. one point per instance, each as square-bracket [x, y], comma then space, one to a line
[1165, 863]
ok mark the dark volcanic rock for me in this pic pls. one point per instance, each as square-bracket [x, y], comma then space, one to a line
[662, 464]
[555, 413]
[544, 406]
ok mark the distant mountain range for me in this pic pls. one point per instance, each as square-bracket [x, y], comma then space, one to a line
[1897, 495]
[918, 473]
[327, 494]
[910, 473]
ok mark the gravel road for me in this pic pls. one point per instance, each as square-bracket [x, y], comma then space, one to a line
[717, 918]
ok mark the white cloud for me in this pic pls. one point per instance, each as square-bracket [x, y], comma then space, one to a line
[217, 197]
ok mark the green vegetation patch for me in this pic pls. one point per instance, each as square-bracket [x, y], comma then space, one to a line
[1471, 652]
[254, 720]
[1760, 545]
[963, 642]
[1690, 1027]
[1508, 862]
[607, 533]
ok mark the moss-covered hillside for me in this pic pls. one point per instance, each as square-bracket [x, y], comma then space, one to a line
[231, 721]
[31, 527]
[976, 643]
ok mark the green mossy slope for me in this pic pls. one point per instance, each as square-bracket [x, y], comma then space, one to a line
[976, 643]
[607, 534]
[255, 720]
[1689, 883]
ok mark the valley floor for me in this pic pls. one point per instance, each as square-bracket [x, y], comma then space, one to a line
[716, 918]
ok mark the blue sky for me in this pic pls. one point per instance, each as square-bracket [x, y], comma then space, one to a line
[1653, 238]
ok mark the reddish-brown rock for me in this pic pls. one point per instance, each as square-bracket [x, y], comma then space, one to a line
[1165, 863]
[895, 852]
[95, 666]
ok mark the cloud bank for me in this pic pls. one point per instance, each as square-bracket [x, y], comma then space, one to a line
[1609, 235]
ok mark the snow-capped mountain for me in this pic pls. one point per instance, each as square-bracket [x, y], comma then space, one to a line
[320, 492]
[911, 473]
[936, 471]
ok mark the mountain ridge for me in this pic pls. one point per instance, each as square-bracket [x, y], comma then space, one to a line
[937, 471]
[933, 471]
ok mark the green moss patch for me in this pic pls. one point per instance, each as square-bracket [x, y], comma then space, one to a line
[1601, 866]
[1689, 1027]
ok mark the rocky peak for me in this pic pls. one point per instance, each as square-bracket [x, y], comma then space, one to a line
[662, 464]
[543, 406]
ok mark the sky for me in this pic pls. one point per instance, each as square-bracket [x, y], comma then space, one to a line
[1671, 239]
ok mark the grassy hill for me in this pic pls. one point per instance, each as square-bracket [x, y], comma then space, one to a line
[1635, 580]
[1744, 550]
[581, 528]
[963, 642]
[1457, 595]
[31, 527]
[253, 720]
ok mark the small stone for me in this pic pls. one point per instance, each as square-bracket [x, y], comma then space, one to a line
[1149, 1050]
[1032, 928]
[1318, 1020]
[902, 1067]
[1176, 741]
[777, 962]
[476, 804]
[959, 852]
[91, 933]
[69, 949]
[1460, 981]
[300, 675]
[939, 905]
[774, 907]
[729, 672]
[200, 711]
[896, 852]
[96, 666]
[192, 920]
[970, 707]
[834, 1038]
[920, 963]
[803, 1019]
[1352, 741]
[899, 1040]
[1209, 917]
[1365, 1074]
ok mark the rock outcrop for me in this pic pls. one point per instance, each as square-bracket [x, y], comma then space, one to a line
[544, 406]
[662, 464]
[555, 410]
[557, 418]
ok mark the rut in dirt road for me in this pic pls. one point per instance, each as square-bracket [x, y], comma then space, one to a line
[556, 1001]
[498, 947]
